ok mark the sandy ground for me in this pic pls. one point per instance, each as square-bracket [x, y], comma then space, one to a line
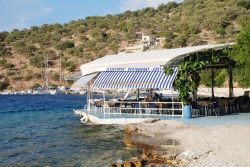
[221, 92]
[218, 92]
[199, 146]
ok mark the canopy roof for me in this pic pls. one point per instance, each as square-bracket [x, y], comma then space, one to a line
[82, 82]
[153, 58]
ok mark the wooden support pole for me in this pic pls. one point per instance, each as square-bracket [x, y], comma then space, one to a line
[138, 94]
[230, 81]
[195, 78]
[212, 77]
[88, 97]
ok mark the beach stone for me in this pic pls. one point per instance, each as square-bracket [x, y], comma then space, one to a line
[134, 163]
[130, 130]
[133, 158]
[128, 164]
[186, 155]
[119, 165]
[138, 163]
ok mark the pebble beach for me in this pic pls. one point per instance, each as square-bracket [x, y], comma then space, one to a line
[195, 144]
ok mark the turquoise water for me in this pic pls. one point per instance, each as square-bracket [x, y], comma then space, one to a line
[43, 131]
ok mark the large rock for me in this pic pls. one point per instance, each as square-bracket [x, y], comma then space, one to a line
[134, 163]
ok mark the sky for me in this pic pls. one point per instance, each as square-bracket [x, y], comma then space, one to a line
[19, 14]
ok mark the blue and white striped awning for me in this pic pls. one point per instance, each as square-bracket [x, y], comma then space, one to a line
[135, 78]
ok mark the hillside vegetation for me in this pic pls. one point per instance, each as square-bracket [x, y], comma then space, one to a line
[192, 22]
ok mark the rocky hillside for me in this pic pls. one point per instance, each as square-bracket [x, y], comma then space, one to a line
[192, 22]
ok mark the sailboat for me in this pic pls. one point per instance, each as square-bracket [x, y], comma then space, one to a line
[46, 89]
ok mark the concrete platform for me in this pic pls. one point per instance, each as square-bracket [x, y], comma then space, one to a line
[115, 119]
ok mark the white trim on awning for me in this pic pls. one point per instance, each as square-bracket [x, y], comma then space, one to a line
[82, 82]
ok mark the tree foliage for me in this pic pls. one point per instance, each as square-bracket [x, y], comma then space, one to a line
[4, 85]
[3, 50]
[37, 61]
[221, 76]
[65, 45]
[188, 78]
[69, 65]
[241, 54]
[5, 64]
[23, 48]
[244, 3]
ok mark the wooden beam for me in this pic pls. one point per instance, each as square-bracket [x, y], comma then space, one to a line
[138, 94]
[217, 66]
[230, 80]
[212, 77]
[210, 66]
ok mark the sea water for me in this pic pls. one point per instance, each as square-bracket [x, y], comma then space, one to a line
[42, 130]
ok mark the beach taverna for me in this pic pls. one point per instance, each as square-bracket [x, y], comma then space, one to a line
[141, 75]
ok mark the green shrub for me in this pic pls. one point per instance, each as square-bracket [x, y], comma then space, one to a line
[10, 73]
[3, 35]
[169, 38]
[26, 49]
[5, 64]
[18, 78]
[4, 85]
[220, 78]
[180, 41]
[35, 86]
[69, 65]
[55, 77]
[37, 75]
[244, 3]
[28, 77]
[206, 78]
[167, 7]
[3, 50]
[37, 61]
[240, 54]
[220, 31]
[65, 45]
[68, 44]
[52, 85]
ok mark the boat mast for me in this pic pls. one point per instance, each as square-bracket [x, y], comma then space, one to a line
[46, 74]
[60, 80]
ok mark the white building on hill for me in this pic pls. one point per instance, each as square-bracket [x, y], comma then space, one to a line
[147, 42]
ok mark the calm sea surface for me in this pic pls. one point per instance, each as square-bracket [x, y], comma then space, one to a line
[43, 131]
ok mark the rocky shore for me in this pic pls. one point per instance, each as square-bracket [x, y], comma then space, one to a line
[177, 144]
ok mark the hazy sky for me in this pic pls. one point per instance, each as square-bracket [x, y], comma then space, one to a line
[25, 13]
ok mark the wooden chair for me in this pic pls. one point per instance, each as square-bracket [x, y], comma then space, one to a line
[195, 109]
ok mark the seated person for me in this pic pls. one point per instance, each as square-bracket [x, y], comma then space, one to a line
[156, 96]
[149, 99]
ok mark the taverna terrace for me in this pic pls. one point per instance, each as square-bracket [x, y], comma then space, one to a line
[133, 87]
